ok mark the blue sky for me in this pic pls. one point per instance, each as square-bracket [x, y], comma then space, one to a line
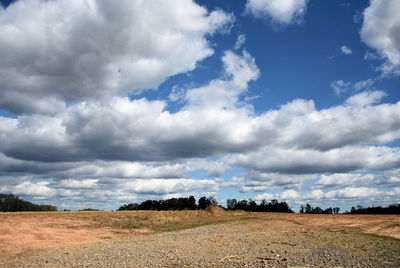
[107, 103]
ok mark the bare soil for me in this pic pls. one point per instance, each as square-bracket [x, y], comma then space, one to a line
[95, 239]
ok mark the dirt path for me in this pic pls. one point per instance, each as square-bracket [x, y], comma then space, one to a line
[252, 243]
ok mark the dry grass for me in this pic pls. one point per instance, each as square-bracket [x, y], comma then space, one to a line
[382, 225]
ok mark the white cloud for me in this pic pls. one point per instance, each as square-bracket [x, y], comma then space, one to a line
[381, 31]
[314, 195]
[118, 149]
[364, 84]
[279, 11]
[308, 161]
[141, 130]
[77, 184]
[241, 39]
[224, 93]
[346, 50]
[162, 186]
[388, 178]
[289, 194]
[340, 86]
[353, 193]
[345, 196]
[48, 58]
[39, 190]
[255, 181]
[366, 98]
[284, 196]
[343, 179]
[266, 196]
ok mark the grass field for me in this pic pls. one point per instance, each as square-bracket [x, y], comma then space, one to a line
[27, 232]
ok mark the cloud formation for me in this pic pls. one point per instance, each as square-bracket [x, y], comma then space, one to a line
[278, 11]
[82, 133]
[49, 59]
[346, 50]
[381, 31]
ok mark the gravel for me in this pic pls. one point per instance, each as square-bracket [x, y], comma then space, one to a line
[272, 243]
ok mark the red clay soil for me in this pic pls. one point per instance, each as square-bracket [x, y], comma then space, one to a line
[24, 232]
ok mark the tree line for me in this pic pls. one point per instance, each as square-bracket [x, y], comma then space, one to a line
[205, 202]
[172, 204]
[391, 209]
[264, 206]
[317, 210]
[11, 203]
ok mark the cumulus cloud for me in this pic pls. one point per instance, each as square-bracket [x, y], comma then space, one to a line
[141, 130]
[381, 31]
[346, 50]
[279, 11]
[78, 138]
[49, 59]
[224, 93]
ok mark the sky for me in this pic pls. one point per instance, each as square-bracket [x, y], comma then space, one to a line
[104, 103]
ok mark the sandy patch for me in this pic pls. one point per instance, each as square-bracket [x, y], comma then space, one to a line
[24, 232]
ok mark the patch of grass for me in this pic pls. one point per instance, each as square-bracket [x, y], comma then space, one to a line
[156, 221]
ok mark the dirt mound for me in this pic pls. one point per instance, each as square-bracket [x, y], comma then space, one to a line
[215, 210]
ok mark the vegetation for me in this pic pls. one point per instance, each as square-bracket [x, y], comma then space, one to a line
[11, 203]
[189, 203]
[172, 204]
[152, 220]
[317, 210]
[250, 205]
[391, 209]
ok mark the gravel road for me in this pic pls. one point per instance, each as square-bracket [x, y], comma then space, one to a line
[270, 243]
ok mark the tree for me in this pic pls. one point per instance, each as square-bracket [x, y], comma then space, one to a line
[301, 209]
[203, 203]
[191, 202]
[309, 208]
[336, 210]
[11, 203]
[328, 211]
[231, 204]
[212, 200]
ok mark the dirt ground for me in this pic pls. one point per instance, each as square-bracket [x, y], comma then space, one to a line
[31, 231]
[382, 225]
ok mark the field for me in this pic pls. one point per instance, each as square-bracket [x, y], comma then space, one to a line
[213, 238]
